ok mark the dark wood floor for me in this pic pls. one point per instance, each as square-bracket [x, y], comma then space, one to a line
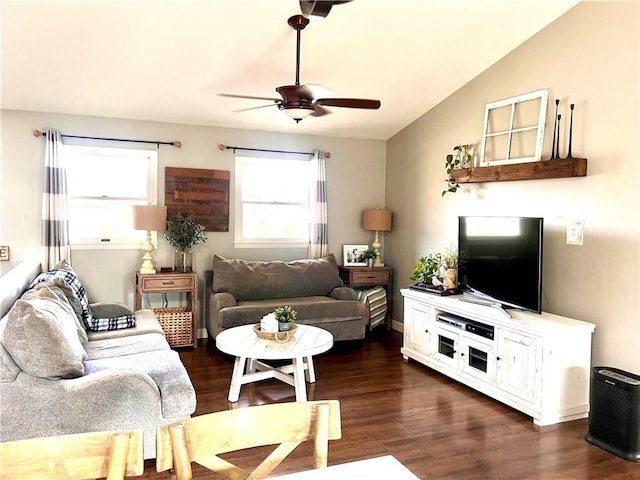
[436, 427]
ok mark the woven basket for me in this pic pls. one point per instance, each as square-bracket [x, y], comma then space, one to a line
[280, 337]
[177, 324]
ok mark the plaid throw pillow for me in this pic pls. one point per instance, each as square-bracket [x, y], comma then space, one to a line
[65, 272]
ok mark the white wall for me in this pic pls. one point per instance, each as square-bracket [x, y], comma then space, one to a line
[355, 181]
[588, 57]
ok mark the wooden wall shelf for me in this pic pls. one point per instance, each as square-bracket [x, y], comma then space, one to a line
[557, 168]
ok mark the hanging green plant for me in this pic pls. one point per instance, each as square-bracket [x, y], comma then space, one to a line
[460, 158]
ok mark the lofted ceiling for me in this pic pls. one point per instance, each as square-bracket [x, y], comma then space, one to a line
[168, 60]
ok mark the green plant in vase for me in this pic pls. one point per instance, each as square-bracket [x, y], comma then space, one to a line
[286, 317]
[370, 255]
[183, 233]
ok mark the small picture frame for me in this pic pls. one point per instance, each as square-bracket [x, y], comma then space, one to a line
[353, 255]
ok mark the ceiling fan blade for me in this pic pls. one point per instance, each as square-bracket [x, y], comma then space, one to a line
[348, 103]
[230, 95]
[318, 111]
[255, 108]
[293, 93]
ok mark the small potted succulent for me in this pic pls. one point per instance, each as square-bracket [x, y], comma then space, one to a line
[286, 317]
[369, 255]
[450, 265]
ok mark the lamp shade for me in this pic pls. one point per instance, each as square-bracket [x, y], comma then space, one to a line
[378, 220]
[149, 217]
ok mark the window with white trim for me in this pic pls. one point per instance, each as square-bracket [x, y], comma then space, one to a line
[103, 184]
[272, 202]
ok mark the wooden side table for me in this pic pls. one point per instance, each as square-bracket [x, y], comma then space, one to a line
[172, 282]
[371, 277]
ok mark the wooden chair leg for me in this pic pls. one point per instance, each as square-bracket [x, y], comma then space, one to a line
[118, 456]
[321, 447]
[181, 460]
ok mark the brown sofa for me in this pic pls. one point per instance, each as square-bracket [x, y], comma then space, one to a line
[241, 292]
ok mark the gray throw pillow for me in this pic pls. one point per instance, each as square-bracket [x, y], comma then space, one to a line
[57, 284]
[41, 336]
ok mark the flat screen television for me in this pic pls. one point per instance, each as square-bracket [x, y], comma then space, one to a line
[500, 259]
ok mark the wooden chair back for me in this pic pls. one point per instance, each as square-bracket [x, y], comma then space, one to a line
[201, 439]
[110, 455]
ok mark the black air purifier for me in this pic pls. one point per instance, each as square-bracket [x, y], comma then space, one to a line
[614, 417]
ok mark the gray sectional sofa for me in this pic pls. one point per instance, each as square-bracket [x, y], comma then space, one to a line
[241, 292]
[58, 378]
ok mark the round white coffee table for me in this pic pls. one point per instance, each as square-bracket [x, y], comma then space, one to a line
[243, 343]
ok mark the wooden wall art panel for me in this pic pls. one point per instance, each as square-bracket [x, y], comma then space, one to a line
[199, 192]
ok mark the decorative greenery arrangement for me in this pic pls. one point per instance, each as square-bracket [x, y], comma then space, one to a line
[427, 267]
[184, 232]
[285, 314]
[450, 258]
[369, 253]
[460, 158]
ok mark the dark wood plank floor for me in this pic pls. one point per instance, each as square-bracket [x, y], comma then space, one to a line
[436, 427]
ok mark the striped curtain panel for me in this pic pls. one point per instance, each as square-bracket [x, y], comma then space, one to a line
[55, 214]
[318, 232]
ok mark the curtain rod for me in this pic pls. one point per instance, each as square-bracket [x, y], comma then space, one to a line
[175, 143]
[222, 147]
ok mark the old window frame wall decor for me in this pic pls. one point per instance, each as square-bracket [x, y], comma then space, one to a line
[514, 123]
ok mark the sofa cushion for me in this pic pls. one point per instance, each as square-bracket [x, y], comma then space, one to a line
[41, 335]
[129, 345]
[65, 272]
[257, 280]
[316, 309]
[146, 322]
[57, 284]
[166, 370]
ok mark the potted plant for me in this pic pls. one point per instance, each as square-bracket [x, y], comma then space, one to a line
[286, 317]
[370, 255]
[183, 233]
[427, 268]
[460, 158]
[450, 265]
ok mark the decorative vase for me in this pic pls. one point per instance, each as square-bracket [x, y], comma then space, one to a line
[284, 326]
[451, 278]
[370, 262]
[183, 260]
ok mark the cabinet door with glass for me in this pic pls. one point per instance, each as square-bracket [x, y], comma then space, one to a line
[517, 365]
[447, 347]
[478, 359]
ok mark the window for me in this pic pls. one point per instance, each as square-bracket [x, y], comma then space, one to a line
[514, 129]
[272, 202]
[103, 184]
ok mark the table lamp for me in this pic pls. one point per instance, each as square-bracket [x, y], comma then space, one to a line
[379, 221]
[149, 217]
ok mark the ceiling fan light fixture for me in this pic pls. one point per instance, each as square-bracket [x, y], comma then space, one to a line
[297, 112]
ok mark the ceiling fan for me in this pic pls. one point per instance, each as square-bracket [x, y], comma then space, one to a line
[297, 100]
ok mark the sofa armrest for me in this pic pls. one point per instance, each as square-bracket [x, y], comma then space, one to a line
[222, 300]
[108, 400]
[218, 301]
[344, 293]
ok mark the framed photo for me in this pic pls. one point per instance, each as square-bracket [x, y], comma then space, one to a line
[353, 255]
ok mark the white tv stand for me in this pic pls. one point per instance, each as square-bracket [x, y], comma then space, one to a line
[538, 364]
